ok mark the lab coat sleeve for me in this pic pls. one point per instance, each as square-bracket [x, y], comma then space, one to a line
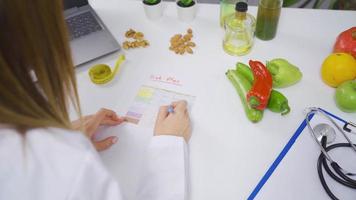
[165, 170]
[93, 181]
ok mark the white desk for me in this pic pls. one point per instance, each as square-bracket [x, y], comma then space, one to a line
[228, 154]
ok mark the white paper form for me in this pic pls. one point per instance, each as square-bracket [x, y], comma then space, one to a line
[125, 159]
[296, 177]
[144, 109]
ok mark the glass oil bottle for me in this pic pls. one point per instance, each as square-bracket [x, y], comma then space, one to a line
[239, 31]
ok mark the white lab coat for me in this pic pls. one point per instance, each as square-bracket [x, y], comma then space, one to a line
[57, 164]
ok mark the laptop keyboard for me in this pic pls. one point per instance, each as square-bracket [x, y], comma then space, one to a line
[82, 24]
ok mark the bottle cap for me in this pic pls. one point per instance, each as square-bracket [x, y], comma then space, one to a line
[241, 6]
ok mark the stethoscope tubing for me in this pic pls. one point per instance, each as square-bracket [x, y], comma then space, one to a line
[322, 162]
[324, 156]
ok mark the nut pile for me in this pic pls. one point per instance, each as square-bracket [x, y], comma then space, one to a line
[137, 40]
[182, 43]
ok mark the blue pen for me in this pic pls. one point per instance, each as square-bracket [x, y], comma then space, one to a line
[170, 109]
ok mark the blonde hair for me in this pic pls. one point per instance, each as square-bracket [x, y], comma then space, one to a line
[37, 80]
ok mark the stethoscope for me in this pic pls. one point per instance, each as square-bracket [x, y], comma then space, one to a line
[324, 134]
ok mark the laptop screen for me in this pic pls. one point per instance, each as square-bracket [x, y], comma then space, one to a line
[67, 4]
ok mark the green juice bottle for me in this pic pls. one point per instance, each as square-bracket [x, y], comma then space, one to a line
[239, 31]
[267, 18]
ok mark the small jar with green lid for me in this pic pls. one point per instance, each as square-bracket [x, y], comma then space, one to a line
[239, 31]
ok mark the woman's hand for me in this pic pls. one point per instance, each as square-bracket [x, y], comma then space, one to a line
[176, 123]
[90, 123]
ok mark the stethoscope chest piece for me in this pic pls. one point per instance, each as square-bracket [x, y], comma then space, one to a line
[322, 130]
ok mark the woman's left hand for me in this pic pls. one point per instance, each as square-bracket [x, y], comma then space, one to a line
[91, 123]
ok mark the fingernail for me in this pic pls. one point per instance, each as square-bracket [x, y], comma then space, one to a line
[114, 140]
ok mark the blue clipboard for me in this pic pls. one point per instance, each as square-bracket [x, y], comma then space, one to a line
[285, 150]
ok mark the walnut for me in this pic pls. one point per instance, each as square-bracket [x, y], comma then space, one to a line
[137, 40]
[130, 33]
[125, 45]
[138, 35]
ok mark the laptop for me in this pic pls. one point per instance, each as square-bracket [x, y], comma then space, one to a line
[89, 37]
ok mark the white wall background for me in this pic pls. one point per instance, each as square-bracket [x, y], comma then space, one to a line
[324, 5]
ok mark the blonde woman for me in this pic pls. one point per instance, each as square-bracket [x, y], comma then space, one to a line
[45, 156]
